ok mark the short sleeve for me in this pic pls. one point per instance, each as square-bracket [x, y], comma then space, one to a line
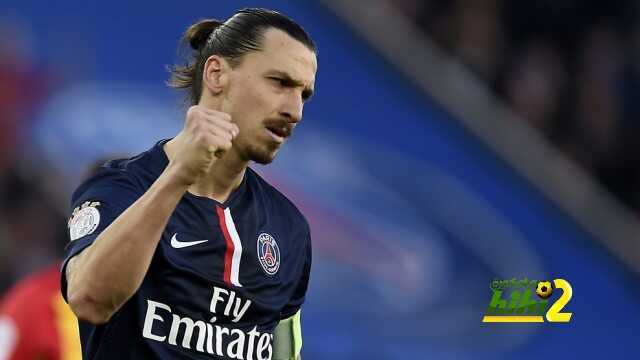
[94, 206]
[298, 297]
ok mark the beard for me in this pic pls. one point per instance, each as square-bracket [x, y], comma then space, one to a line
[262, 154]
[262, 157]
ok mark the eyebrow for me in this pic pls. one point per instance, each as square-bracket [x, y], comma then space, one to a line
[307, 92]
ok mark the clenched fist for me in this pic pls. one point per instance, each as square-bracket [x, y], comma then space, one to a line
[207, 134]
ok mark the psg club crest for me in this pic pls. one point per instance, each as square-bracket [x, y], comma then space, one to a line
[268, 253]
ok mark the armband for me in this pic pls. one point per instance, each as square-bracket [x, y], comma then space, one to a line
[287, 338]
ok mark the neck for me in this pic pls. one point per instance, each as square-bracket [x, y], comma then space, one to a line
[224, 176]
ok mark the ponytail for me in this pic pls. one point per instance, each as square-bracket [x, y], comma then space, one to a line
[189, 76]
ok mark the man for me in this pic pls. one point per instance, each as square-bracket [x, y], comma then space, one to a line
[184, 251]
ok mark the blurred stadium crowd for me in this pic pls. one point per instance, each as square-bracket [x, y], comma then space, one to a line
[571, 69]
[32, 224]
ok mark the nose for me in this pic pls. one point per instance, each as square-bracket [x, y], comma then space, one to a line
[292, 107]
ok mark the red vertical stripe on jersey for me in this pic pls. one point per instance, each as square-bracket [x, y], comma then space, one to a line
[228, 255]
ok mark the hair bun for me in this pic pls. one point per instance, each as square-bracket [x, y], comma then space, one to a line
[198, 33]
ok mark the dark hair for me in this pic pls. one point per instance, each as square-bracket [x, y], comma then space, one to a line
[239, 35]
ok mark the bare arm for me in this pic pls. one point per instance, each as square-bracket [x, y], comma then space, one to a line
[107, 273]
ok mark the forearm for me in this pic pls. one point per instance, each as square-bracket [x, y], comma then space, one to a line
[110, 271]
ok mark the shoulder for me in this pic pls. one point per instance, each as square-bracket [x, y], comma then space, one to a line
[278, 200]
[133, 175]
[109, 179]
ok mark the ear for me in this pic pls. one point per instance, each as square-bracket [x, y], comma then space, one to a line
[215, 74]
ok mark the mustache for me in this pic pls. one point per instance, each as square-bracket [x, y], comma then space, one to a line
[280, 126]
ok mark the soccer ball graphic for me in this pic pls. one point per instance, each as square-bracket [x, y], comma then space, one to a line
[544, 289]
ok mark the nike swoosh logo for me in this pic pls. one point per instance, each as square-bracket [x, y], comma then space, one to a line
[177, 244]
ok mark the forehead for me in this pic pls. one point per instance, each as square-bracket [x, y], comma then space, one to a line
[281, 52]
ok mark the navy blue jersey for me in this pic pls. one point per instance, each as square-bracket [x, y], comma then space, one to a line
[222, 277]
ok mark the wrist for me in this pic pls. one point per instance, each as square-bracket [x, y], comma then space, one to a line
[176, 176]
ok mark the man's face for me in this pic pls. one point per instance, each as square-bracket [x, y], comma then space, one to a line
[266, 94]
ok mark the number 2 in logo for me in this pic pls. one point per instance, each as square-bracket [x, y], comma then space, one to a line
[554, 314]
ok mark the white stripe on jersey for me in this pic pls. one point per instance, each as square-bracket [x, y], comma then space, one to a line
[237, 248]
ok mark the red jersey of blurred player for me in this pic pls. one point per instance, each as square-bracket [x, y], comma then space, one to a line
[36, 323]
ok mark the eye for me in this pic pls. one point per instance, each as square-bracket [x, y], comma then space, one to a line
[278, 81]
